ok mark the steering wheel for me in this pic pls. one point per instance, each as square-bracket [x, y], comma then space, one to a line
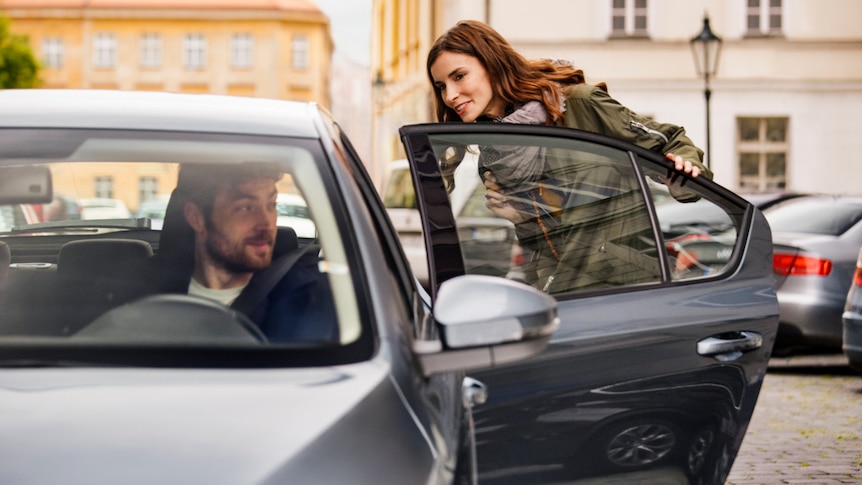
[173, 319]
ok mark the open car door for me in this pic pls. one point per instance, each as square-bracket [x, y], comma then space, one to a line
[666, 301]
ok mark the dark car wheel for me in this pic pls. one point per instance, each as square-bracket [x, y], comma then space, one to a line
[637, 444]
[699, 449]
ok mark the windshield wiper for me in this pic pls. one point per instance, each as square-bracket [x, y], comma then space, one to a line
[86, 225]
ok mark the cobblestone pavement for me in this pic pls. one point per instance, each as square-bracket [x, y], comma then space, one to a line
[807, 426]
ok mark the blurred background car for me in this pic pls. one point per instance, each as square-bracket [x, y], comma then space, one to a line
[13, 215]
[765, 200]
[293, 212]
[816, 242]
[154, 208]
[851, 319]
[104, 208]
[62, 208]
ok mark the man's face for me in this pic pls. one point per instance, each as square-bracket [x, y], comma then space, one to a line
[240, 232]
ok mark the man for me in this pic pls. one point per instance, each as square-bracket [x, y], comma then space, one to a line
[231, 210]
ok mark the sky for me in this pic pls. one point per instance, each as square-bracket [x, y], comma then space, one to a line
[350, 24]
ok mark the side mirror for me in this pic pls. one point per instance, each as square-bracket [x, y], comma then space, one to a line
[25, 185]
[485, 321]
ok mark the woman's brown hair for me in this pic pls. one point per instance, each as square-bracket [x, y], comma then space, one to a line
[514, 79]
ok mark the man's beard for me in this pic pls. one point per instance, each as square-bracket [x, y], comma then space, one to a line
[233, 257]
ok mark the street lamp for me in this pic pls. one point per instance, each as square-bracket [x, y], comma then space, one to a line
[705, 47]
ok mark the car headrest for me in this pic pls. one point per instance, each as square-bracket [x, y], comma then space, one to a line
[285, 241]
[99, 256]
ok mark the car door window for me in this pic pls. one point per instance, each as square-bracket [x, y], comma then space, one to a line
[573, 215]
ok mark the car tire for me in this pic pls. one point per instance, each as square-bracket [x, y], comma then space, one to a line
[636, 444]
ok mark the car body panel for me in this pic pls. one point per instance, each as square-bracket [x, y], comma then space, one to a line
[267, 425]
[627, 364]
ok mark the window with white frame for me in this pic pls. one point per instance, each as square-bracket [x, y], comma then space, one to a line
[104, 187]
[299, 52]
[151, 49]
[194, 51]
[629, 18]
[241, 50]
[147, 188]
[763, 145]
[763, 17]
[104, 50]
[52, 52]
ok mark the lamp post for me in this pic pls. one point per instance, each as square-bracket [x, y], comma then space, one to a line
[705, 48]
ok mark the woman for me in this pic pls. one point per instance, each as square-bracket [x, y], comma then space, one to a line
[478, 76]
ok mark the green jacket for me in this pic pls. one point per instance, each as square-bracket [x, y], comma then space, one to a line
[590, 108]
[593, 241]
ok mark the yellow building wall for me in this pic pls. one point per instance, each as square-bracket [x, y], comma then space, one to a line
[271, 74]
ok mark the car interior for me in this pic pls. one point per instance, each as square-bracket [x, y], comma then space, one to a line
[59, 274]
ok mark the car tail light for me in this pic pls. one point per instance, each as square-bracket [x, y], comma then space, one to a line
[517, 257]
[857, 275]
[795, 265]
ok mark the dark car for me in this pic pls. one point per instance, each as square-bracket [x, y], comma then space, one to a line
[817, 240]
[645, 367]
[666, 326]
[173, 388]
[851, 319]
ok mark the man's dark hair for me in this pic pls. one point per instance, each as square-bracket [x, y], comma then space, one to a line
[201, 183]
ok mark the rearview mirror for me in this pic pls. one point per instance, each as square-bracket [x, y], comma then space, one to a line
[485, 321]
[25, 185]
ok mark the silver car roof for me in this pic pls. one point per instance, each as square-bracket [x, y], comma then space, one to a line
[143, 110]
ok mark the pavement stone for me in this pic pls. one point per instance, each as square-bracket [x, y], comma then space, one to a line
[807, 425]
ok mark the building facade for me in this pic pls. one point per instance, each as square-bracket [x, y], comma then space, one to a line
[245, 47]
[783, 99]
[262, 48]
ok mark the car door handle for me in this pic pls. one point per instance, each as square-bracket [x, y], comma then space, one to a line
[729, 346]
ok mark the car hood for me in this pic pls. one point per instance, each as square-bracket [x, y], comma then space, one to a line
[185, 426]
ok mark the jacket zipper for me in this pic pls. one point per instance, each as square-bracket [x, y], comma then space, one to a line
[638, 126]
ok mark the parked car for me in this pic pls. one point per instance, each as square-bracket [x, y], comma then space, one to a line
[851, 319]
[765, 200]
[61, 208]
[293, 212]
[104, 208]
[817, 240]
[177, 389]
[172, 388]
[154, 209]
[14, 215]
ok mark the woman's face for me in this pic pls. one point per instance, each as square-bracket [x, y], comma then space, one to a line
[464, 86]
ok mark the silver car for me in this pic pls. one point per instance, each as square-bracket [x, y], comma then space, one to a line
[170, 388]
[645, 367]
[817, 240]
[851, 319]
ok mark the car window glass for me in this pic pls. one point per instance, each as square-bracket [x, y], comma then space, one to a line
[398, 190]
[116, 189]
[576, 215]
[699, 235]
